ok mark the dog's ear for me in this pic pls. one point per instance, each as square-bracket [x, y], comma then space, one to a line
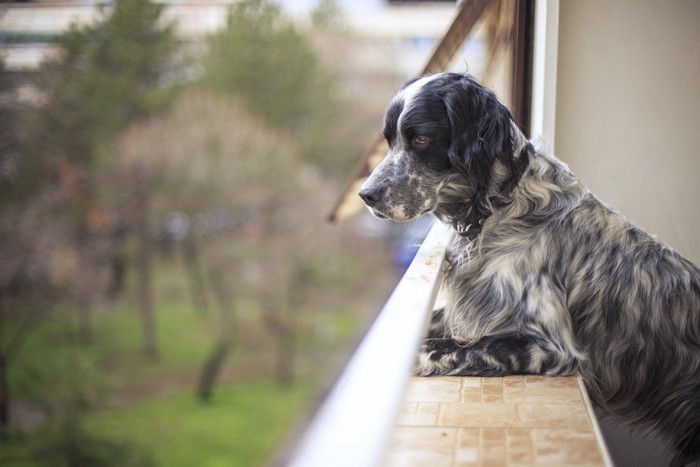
[481, 131]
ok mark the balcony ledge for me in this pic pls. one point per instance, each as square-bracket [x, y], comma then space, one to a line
[515, 420]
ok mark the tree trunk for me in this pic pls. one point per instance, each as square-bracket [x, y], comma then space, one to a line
[212, 368]
[190, 257]
[226, 341]
[145, 271]
[281, 324]
[286, 358]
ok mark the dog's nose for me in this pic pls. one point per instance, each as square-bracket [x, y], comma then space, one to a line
[371, 194]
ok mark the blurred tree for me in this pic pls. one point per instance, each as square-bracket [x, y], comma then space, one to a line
[252, 206]
[222, 170]
[262, 59]
[55, 231]
[31, 281]
[31, 236]
[107, 75]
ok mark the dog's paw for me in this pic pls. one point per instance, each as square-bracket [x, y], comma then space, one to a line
[430, 361]
[424, 367]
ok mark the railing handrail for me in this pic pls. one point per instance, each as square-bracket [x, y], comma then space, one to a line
[353, 425]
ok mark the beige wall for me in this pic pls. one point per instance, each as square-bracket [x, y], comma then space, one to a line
[628, 110]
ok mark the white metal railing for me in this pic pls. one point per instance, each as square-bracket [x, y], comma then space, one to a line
[353, 425]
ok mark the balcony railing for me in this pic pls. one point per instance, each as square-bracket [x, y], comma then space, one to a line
[353, 425]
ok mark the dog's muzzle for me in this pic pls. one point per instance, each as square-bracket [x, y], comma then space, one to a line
[372, 194]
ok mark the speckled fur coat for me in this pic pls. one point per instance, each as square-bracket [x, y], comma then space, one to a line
[544, 278]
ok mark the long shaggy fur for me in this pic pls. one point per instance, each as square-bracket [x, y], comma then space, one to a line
[544, 278]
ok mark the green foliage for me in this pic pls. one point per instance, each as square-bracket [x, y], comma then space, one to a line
[327, 15]
[106, 75]
[63, 382]
[111, 72]
[18, 172]
[261, 58]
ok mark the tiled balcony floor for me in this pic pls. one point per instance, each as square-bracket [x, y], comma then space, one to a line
[511, 421]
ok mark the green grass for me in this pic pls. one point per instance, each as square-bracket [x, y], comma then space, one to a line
[241, 426]
[151, 406]
[184, 338]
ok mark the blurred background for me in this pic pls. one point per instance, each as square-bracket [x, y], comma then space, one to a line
[171, 292]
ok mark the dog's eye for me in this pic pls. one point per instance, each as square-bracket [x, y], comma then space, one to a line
[421, 140]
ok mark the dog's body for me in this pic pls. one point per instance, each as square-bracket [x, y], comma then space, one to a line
[544, 278]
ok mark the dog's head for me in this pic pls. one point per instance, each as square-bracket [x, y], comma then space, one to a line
[443, 131]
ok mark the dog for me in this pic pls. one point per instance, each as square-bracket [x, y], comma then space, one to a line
[543, 278]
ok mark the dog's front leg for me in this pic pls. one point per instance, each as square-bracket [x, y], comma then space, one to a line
[496, 355]
[437, 324]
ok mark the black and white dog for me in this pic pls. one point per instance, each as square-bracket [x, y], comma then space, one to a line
[543, 277]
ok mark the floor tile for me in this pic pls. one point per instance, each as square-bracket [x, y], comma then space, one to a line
[511, 421]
